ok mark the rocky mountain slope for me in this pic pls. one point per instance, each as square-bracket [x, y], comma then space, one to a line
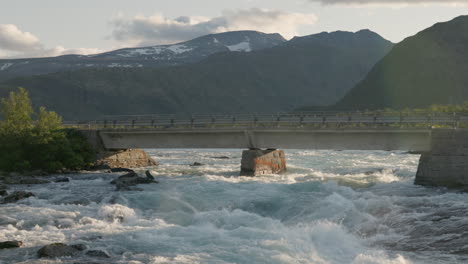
[313, 70]
[155, 56]
[428, 68]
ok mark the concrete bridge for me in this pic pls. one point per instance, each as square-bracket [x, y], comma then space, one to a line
[444, 149]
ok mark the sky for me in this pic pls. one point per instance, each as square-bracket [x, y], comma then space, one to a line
[33, 28]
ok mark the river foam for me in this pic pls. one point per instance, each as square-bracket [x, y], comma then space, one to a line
[330, 207]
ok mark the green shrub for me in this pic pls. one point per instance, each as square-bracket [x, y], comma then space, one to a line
[31, 141]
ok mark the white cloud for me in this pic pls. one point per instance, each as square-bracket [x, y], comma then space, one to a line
[13, 39]
[391, 2]
[158, 29]
[15, 43]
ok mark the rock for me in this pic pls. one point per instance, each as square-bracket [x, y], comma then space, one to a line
[97, 254]
[121, 170]
[3, 190]
[35, 173]
[32, 181]
[196, 164]
[10, 244]
[62, 179]
[259, 162]
[129, 158]
[14, 174]
[80, 247]
[24, 180]
[16, 196]
[130, 179]
[220, 157]
[149, 175]
[57, 250]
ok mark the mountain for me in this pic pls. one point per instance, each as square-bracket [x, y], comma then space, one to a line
[317, 70]
[428, 68]
[155, 56]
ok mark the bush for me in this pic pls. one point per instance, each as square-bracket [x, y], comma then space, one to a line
[31, 141]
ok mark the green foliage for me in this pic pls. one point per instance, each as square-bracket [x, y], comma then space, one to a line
[30, 143]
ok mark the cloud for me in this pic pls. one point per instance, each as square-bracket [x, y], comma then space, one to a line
[13, 39]
[158, 29]
[390, 2]
[15, 43]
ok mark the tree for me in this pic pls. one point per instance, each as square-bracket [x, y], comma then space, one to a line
[38, 141]
[17, 113]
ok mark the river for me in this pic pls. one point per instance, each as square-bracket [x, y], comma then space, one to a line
[330, 207]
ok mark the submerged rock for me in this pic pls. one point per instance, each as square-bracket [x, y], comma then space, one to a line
[3, 190]
[149, 175]
[121, 170]
[124, 182]
[97, 254]
[25, 180]
[10, 244]
[62, 179]
[57, 250]
[195, 164]
[220, 157]
[16, 196]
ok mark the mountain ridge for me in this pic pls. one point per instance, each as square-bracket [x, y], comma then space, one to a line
[427, 68]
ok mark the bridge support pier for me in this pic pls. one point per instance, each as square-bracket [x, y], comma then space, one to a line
[446, 164]
[259, 162]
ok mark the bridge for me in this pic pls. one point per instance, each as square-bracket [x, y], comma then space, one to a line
[435, 134]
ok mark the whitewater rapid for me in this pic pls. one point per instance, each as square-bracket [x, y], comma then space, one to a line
[330, 207]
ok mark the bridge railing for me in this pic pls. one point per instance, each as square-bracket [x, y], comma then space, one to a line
[297, 119]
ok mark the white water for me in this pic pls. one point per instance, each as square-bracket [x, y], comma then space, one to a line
[331, 207]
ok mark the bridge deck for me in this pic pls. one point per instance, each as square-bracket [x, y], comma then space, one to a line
[314, 130]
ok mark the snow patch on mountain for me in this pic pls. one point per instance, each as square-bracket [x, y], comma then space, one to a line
[243, 46]
[178, 49]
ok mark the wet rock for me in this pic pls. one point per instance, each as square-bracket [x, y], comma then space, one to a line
[10, 244]
[129, 158]
[149, 175]
[195, 164]
[16, 196]
[57, 250]
[80, 247]
[3, 190]
[220, 157]
[121, 170]
[124, 182]
[35, 173]
[97, 254]
[24, 180]
[62, 179]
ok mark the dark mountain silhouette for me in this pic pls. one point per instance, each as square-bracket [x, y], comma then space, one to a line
[313, 70]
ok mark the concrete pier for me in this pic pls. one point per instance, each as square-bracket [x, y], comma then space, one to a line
[259, 162]
[446, 164]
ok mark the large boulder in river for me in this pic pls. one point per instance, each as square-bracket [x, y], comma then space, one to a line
[16, 196]
[124, 182]
[129, 158]
[10, 244]
[57, 250]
